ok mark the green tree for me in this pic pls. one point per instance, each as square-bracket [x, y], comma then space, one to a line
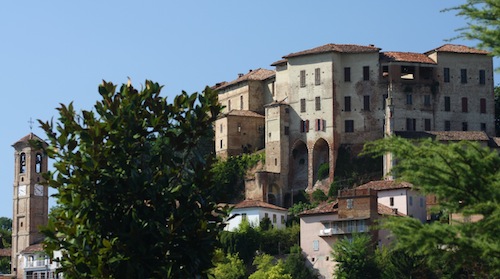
[295, 264]
[5, 242]
[319, 196]
[227, 266]
[355, 258]
[131, 177]
[465, 178]
[483, 24]
[268, 268]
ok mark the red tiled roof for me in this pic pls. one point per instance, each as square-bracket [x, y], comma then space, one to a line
[457, 49]
[446, 135]
[496, 140]
[33, 248]
[256, 203]
[385, 210]
[259, 74]
[342, 48]
[322, 208]
[385, 185]
[279, 62]
[27, 138]
[394, 56]
[247, 113]
[5, 252]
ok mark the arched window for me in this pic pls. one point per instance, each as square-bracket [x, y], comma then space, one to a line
[38, 163]
[22, 163]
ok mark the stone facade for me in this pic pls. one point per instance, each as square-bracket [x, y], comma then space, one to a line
[319, 99]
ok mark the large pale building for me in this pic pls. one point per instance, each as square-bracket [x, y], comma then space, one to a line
[336, 95]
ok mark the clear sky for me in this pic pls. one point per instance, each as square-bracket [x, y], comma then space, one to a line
[54, 52]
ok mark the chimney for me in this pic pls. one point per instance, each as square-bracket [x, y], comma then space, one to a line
[240, 75]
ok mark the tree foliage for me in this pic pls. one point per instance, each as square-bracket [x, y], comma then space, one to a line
[483, 24]
[131, 180]
[227, 266]
[268, 268]
[497, 110]
[355, 258]
[465, 178]
[295, 265]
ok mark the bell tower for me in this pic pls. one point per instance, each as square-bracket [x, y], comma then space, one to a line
[31, 199]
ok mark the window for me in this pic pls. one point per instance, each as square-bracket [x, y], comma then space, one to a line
[409, 98]
[427, 124]
[317, 76]
[366, 73]
[282, 219]
[465, 126]
[427, 100]
[269, 134]
[483, 126]
[411, 124]
[22, 163]
[303, 78]
[447, 125]
[274, 218]
[446, 74]
[447, 103]
[391, 201]
[464, 104]
[366, 102]
[304, 126]
[347, 74]
[239, 128]
[349, 126]
[220, 128]
[302, 105]
[38, 163]
[243, 216]
[350, 204]
[315, 245]
[320, 125]
[221, 144]
[229, 105]
[408, 72]
[317, 103]
[482, 105]
[347, 103]
[241, 102]
[463, 75]
[410, 200]
[275, 161]
[287, 130]
[482, 77]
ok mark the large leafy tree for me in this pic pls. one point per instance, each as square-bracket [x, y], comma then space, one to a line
[497, 110]
[483, 24]
[465, 178]
[355, 258]
[5, 242]
[133, 185]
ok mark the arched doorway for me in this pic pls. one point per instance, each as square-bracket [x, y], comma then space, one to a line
[321, 160]
[299, 167]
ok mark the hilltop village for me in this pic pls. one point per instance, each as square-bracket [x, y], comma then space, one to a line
[317, 103]
[314, 105]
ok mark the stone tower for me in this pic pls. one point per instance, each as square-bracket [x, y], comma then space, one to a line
[30, 197]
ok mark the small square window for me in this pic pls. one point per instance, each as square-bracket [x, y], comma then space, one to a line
[347, 103]
[302, 105]
[447, 125]
[315, 245]
[391, 201]
[317, 76]
[446, 74]
[317, 102]
[482, 77]
[463, 75]
[427, 100]
[465, 126]
[366, 73]
[350, 203]
[347, 74]
[303, 78]
[447, 103]
[409, 99]
[366, 103]
[349, 126]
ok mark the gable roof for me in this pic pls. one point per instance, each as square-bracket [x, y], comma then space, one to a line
[387, 211]
[26, 139]
[457, 49]
[33, 248]
[411, 57]
[381, 185]
[257, 203]
[445, 135]
[341, 48]
[332, 208]
[258, 74]
[244, 113]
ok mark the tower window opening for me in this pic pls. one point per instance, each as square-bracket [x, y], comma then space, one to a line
[38, 163]
[22, 163]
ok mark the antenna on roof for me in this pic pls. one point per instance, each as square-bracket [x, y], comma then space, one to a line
[31, 124]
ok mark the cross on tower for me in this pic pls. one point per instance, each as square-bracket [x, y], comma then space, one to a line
[31, 124]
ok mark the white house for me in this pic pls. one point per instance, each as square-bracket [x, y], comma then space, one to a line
[254, 211]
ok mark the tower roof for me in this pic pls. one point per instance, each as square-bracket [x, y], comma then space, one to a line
[26, 140]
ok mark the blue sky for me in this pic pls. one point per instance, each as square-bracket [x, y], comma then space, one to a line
[54, 52]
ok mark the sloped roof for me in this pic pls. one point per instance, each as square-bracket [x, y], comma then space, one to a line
[496, 140]
[342, 48]
[33, 248]
[258, 74]
[385, 185]
[445, 135]
[26, 139]
[242, 113]
[256, 203]
[457, 49]
[5, 252]
[387, 211]
[279, 62]
[411, 57]
[322, 208]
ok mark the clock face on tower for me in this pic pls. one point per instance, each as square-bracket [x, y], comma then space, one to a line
[38, 190]
[21, 191]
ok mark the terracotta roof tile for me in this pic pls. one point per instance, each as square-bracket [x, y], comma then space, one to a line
[245, 113]
[385, 210]
[458, 49]
[322, 208]
[342, 48]
[385, 185]
[394, 56]
[33, 248]
[29, 137]
[256, 203]
[258, 74]
[279, 62]
[446, 135]
[5, 252]
[496, 140]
